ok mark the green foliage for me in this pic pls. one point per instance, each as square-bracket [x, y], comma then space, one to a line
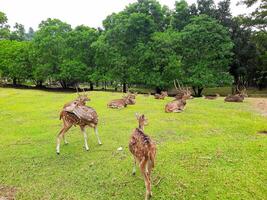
[14, 62]
[206, 53]
[4, 28]
[48, 48]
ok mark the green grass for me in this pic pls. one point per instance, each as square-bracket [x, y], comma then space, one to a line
[210, 151]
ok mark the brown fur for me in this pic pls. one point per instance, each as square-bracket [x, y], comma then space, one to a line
[121, 103]
[211, 97]
[70, 119]
[162, 95]
[235, 98]
[144, 152]
[175, 106]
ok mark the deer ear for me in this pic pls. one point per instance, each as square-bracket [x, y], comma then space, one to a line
[137, 115]
[143, 116]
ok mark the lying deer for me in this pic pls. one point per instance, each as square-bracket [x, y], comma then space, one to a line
[182, 92]
[144, 152]
[175, 106]
[121, 103]
[162, 95]
[76, 113]
[211, 97]
[239, 97]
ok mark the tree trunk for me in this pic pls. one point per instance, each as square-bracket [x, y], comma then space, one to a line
[63, 84]
[91, 85]
[158, 90]
[197, 91]
[39, 84]
[124, 87]
[15, 81]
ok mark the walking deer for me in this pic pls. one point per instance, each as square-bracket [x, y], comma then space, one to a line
[162, 95]
[144, 152]
[77, 113]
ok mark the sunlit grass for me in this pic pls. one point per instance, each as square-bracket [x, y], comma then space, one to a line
[210, 151]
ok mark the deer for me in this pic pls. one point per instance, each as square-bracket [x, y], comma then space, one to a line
[121, 103]
[162, 95]
[175, 106]
[238, 97]
[211, 97]
[182, 92]
[76, 113]
[143, 150]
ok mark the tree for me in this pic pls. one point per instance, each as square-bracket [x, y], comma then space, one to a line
[4, 28]
[78, 49]
[181, 15]
[206, 53]
[160, 62]
[19, 33]
[49, 47]
[30, 34]
[14, 62]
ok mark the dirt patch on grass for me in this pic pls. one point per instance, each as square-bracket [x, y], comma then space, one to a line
[7, 193]
[260, 105]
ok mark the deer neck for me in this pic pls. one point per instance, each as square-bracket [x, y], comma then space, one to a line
[141, 127]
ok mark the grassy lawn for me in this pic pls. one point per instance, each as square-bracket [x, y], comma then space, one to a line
[210, 151]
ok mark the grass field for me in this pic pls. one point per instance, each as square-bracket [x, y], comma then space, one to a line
[210, 151]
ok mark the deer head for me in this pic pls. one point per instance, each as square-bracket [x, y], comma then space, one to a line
[183, 92]
[142, 121]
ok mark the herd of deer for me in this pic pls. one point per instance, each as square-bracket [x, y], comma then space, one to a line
[142, 147]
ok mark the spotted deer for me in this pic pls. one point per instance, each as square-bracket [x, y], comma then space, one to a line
[175, 106]
[162, 95]
[238, 97]
[182, 92]
[144, 152]
[76, 113]
[121, 103]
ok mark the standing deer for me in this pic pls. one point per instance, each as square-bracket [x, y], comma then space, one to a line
[162, 95]
[182, 92]
[76, 113]
[121, 103]
[144, 152]
[211, 97]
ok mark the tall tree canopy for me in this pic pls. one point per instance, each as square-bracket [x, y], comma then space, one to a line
[206, 53]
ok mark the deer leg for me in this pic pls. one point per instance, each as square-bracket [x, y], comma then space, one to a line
[65, 140]
[143, 168]
[85, 138]
[96, 134]
[134, 166]
[60, 135]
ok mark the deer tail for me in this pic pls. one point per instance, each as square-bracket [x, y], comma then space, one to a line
[60, 115]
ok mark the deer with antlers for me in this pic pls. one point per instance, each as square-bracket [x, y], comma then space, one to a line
[182, 92]
[238, 97]
[76, 113]
[162, 95]
[144, 152]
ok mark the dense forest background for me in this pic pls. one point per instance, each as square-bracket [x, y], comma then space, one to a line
[147, 44]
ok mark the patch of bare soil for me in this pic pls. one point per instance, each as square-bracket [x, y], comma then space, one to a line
[260, 105]
[7, 193]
